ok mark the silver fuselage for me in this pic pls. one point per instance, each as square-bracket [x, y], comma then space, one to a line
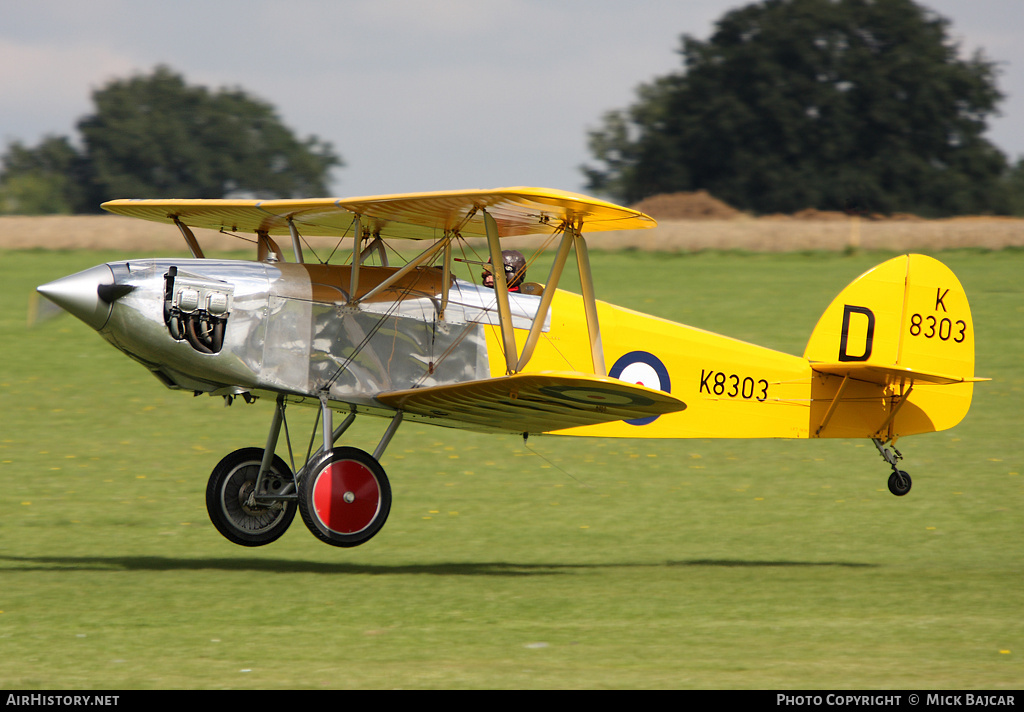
[236, 327]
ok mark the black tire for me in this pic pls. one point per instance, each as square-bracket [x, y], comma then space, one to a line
[344, 497]
[231, 482]
[899, 483]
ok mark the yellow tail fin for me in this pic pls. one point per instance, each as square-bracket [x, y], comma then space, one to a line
[905, 326]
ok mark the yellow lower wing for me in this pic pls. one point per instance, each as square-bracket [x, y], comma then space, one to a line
[533, 402]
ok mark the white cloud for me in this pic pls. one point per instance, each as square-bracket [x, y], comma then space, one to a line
[48, 87]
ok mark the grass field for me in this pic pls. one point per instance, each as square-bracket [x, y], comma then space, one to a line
[569, 563]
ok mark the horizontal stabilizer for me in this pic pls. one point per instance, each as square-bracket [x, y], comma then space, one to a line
[889, 375]
[534, 402]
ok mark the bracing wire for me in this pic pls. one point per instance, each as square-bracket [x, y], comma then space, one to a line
[526, 444]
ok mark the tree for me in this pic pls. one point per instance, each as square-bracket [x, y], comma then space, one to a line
[154, 136]
[40, 180]
[1015, 188]
[834, 104]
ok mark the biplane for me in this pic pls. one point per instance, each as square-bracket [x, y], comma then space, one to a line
[893, 354]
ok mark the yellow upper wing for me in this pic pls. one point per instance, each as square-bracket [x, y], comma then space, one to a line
[415, 216]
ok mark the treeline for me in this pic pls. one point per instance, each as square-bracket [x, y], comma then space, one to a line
[154, 136]
[858, 105]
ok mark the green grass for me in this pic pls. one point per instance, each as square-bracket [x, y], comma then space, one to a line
[566, 563]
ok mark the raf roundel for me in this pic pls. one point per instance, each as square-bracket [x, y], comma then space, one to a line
[643, 369]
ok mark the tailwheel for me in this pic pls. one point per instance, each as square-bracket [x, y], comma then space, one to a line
[344, 497]
[899, 482]
[231, 503]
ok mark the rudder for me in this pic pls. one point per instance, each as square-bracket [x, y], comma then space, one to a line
[902, 325]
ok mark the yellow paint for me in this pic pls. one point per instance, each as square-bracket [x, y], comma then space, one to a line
[414, 216]
[533, 402]
[734, 389]
[893, 355]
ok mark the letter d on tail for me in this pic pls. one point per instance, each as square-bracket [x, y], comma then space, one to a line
[869, 334]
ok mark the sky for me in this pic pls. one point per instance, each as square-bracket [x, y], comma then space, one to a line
[415, 95]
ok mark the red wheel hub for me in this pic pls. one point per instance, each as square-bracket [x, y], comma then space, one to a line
[346, 497]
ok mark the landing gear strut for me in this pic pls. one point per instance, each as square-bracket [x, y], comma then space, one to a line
[343, 493]
[899, 481]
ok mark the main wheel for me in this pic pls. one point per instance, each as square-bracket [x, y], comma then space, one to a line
[899, 483]
[344, 497]
[228, 503]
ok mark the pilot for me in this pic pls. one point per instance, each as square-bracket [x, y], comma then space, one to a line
[515, 271]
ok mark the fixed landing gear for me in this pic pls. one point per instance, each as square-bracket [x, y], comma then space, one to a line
[231, 498]
[342, 493]
[344, 497]
[899, 481]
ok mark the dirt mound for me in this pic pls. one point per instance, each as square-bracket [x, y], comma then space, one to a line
[699, 205]
[815, 214]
